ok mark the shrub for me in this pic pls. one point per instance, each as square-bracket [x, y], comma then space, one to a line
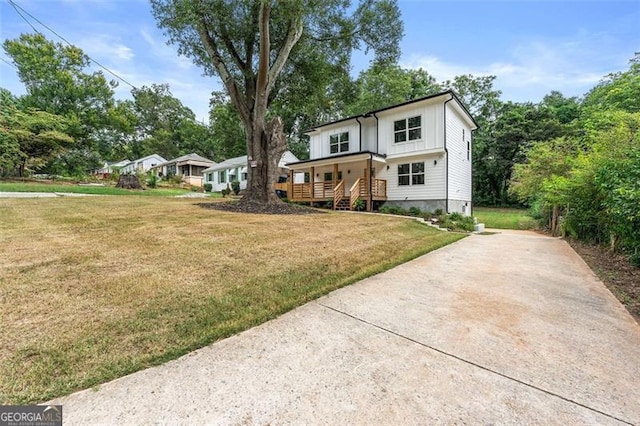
[235, 185]
[152, 180]
[414, 211]
[392, 209]
[438, 212]
[359, 205]
[207, 187]
[455, 216]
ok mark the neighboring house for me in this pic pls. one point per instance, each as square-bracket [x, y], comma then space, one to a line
[415, 154]
[222, 174]
[108, 168]
[143, 164]
[190, 167]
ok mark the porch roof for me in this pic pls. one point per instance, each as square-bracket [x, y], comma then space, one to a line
[337, 159]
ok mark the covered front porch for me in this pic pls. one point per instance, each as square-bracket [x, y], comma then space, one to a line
[346, 182]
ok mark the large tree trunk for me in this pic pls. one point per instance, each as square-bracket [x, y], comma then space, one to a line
[265, 146]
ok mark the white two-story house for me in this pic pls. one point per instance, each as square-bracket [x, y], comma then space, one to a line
[417, 153]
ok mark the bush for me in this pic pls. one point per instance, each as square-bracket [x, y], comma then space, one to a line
[455, 216]
[437, 212]
[359, 205]
[152, 180]
[391, 209]
[207, 187]
[414, 211]
[235, 186]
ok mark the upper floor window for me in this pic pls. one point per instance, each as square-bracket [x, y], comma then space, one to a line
[407, 129]
[411, 174]
[339, 143]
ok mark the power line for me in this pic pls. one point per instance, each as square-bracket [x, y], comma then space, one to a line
[22, 16]
[16, 7]
[8, 63]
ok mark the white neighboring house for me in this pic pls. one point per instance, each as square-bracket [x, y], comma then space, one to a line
[225, 172]
[142, 165]
[108, 168]
[417, 153]
[190, 167]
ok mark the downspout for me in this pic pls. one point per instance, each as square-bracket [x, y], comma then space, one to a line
[360, 133]
[471, 159]
[446, 163]
[377, 133]
[370, 181]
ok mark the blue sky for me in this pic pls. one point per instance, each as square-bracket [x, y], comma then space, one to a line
[532, 47]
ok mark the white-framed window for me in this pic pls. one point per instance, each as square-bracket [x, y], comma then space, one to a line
[339, 142]
[411, 174]
[407, 129]
[329, 176]
[222, 176]
[244, 176]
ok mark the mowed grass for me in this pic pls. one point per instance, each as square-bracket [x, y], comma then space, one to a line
[82, 189]
[503, 218]
[95, 288]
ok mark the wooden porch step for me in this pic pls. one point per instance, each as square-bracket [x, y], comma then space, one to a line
[343, 204]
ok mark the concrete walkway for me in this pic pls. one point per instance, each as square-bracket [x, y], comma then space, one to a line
[510, 328]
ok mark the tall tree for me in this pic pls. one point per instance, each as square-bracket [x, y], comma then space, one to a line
[383, 85]
[56, 82]
[256, 46]
[31, 138]
[165, 126]
[620, 90]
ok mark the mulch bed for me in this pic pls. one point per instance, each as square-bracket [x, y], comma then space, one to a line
[615, 270]
[259, 208]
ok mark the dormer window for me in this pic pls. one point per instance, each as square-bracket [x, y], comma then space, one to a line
[407, 129]
[339, 142]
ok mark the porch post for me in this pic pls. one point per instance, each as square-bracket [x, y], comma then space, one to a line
[368, 184]
[290, 185]
[312, 181]
[335, 174]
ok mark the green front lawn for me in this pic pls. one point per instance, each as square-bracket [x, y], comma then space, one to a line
[92, 291]
[504, 218]
[82, 189]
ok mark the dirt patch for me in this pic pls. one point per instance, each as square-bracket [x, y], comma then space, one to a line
[615, 270]
[257, 208]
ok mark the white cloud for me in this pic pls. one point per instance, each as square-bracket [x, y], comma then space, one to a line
[535, 67]
[105, 46]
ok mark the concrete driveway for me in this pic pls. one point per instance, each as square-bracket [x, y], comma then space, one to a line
[511, 328]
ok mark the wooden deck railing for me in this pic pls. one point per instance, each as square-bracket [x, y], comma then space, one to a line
[379, 188]
[355, 192]
[325, 191]
[338, 193]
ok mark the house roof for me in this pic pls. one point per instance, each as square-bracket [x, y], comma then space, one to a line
[189, 158]
[229, 164]
[160, 159]
[241, 162]
[349, 157]
[424, 98]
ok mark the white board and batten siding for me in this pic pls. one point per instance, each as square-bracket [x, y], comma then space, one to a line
[319, 143]
[459, 149]
[428, 149]
[432, 136]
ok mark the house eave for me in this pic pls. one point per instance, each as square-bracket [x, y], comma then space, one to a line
[337, 159]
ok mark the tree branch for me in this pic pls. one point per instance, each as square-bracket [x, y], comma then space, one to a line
[294, 33]
[228, 80]
[263, 61]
